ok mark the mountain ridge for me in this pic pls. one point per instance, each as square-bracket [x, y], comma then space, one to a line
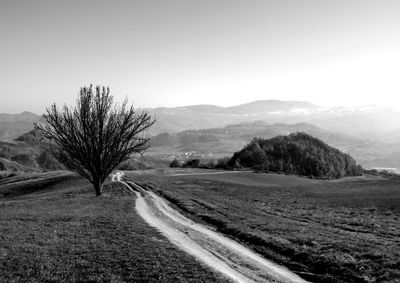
[14, 125]
[369, 121]
[219, 142]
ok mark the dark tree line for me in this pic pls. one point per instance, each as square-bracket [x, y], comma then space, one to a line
[95, 136]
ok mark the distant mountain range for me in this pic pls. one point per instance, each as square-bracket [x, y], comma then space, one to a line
[219, 142]
[14, 125]
[209, 116]
[27, 153]
[235, 136]
[371, 134]
[369, 122]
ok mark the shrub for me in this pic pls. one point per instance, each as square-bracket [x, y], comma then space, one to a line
[175, 163]
[223, 163]
[192, 163]
[297, 153]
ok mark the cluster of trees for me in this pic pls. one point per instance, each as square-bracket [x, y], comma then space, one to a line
[196, 163]
[384, 173]
[38, 156]
[190, 163]
[46, 160]
[298, 153]
[97, 136]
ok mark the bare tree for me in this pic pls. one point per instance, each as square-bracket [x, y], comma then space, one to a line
[93, 138]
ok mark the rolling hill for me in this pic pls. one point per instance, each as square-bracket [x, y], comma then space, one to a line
[367, 122]
[218, 142]
[226, 140]
[27, 153]
[297, 153]
[12, 166]
[209, 116]
[369, 133]
[14, 125]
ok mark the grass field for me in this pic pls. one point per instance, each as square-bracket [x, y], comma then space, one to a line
[346, 231]
[54, 229]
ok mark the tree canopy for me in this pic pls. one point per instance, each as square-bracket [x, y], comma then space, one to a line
[297, 153]
[96, 135]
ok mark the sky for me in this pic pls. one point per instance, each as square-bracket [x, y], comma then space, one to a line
[173, 53]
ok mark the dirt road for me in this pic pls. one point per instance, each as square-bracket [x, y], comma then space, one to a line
[220, 253]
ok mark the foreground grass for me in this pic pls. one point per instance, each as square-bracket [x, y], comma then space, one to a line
[326, 232]
[61, 232]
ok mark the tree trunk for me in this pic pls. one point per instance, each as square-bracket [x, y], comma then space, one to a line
[98, 186]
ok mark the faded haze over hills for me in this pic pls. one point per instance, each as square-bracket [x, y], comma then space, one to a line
[370, 121]
[14, 125]
[367, 121]
[371, 134]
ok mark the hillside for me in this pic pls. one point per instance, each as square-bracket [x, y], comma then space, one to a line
[367, 122]
[227, 140]
[197, 117]
[12, 166]
[14, 125]
[219, 142]
[369, 133]
[27, 153]
[53, 230]
[311, 226]
[297, 153]
[32, 137]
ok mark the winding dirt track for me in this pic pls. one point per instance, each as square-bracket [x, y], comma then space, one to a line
[220, 253]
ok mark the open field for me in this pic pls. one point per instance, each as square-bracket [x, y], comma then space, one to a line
[346, 231]
[60, 232]
[218, 252]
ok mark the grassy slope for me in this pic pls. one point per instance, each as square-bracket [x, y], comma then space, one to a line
[61, 232]
[248, 178]
[16, 167]
[327, 232]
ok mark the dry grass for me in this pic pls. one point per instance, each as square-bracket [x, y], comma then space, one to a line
[346, 231]
[60, 232]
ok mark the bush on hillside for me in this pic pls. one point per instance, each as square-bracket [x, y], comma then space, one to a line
[298, 153]
[192, 163]
[24, 159]
[211, 164]
[46, 160]
[223, 163]
[384, 173]
[133, 164]
[175, 163]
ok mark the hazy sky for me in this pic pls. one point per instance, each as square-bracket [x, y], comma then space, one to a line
[173, 53]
